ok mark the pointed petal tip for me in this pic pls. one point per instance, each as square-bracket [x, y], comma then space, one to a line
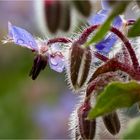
[9, 25]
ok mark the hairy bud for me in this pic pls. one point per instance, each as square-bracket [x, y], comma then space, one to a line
[87, 128]
[39, 64]
[52, 13]
[112, 123]
[80, 60]
[65, 16]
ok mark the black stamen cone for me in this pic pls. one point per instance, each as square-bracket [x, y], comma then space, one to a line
[39, 64]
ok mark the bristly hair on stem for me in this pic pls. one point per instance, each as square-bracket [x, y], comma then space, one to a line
[59, 40]
[114, 65]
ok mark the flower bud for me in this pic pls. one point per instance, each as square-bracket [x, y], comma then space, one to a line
[83, 6]
[138, 3]
[87, 128]
[39, 64]
[65, 16]
[138, 106]
[112, 123]
[80, 60]
[52, 13]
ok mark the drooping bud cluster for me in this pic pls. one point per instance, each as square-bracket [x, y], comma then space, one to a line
[104, 74]
[107, 72]
[88, 129]
[111, 120]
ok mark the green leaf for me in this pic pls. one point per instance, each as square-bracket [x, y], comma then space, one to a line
[115, 95]
[133, 130]
[135, 29]
[117, 9]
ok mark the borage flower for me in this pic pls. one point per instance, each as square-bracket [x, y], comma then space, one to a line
[105, 45]
[46, 51]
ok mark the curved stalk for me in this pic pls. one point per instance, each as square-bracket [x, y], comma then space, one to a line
[58, 40]
[83, 38]
[113, 65]
[101, 57]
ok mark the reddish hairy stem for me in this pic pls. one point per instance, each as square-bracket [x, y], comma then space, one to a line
[89, 90]
[105, 72]
[83, 38]
[126, 56]
[58, 40]
[101, 57]
[114, 65]
[100, 81]
[128, 46]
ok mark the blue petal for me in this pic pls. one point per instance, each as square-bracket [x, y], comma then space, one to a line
[105, 5]
[117, 22]
[99, 18]
[109, 41]
[22, 37]
[106, 44]
[56, 63]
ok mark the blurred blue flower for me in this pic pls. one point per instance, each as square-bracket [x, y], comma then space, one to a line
[105, 4]
[110, 39]
[52, 120]
[23, 38]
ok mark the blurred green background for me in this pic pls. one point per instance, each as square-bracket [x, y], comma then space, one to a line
[29, 109]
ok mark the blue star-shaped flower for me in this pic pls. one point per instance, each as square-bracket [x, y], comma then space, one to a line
[45, 54]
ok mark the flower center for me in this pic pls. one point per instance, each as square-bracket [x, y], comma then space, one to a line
[43, 49]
